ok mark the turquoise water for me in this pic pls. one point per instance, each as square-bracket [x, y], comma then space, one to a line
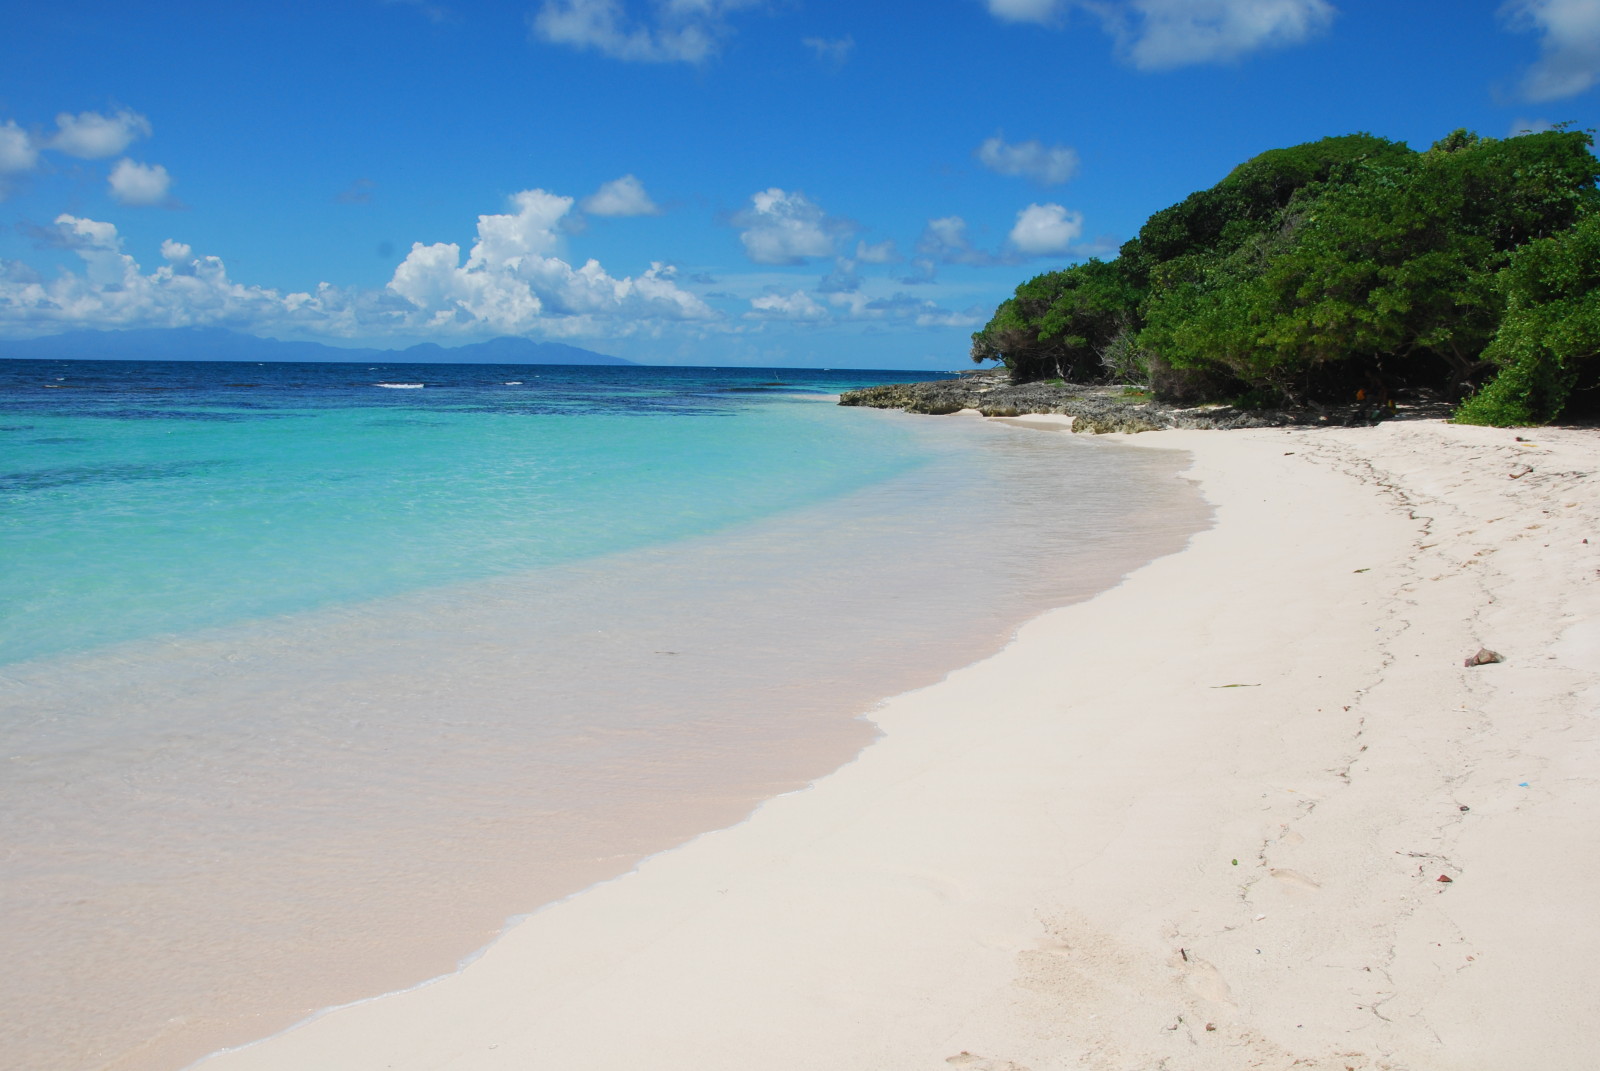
[139, 499]
[310, 683]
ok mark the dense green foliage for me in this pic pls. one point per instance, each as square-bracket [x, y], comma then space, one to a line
[1344, 265]
[1550, 335]
[1059, 324]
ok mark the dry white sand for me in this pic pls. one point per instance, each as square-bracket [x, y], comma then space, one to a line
[1199, 821]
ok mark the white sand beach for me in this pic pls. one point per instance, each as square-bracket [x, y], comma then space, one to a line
[1248, 809]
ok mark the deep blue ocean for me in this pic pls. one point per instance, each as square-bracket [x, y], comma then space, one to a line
[142, 498]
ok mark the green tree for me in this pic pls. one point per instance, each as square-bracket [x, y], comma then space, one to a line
[1060, 324]
[1249, 200]
[1314, 270]
[1549, 341]
[1383, 273]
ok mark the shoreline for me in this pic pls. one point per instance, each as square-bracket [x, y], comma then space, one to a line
[1201, 816]
[781, 632]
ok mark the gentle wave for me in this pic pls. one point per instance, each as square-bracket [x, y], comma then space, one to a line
[401, 386]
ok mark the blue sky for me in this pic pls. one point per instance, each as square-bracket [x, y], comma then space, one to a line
[782, 182]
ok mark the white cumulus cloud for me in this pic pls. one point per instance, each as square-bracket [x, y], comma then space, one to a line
[113, 291]
[80, 233]
[18, 152]
[1569, 60]
[673, 31]
[139, 184]
[787, 228]
[92, 136]
[1161, 34]
[508, 283]
[1048, 165]
[1044, 229]
[621, 197]
[508, 237]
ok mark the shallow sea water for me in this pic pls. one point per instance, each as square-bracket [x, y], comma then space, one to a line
[227, 804]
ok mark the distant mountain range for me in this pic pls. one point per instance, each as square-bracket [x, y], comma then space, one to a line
[220, 344]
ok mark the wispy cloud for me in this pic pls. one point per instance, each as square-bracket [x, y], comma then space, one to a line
[902, 308]
[1569, 60]
[1048, 165]
[18, 150]
[796, 305]
[1163, 34]
[669, 31]
[843, 279]
[1529, 126]
[945, 241]
[625, 196]
[834, 50]
[1043, 12]
[877, 252]
[855, 306]
[358, 192]
[434, 13]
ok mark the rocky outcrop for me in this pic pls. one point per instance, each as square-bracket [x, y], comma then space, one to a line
[1099, 409]
[1096, 409]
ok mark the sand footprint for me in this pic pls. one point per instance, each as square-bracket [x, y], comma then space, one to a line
[1293, 880]
[980, 1063]
[1207, 983]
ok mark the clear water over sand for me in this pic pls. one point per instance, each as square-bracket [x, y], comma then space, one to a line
[302, 795]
